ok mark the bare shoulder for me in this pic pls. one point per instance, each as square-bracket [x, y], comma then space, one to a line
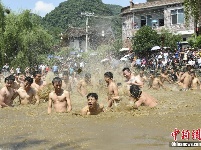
[84, 110]
[65, 91]
[51, 93]
[101, 106]
[20, 89]
[3, 90]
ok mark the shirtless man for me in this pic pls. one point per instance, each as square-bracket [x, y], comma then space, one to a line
[67, 81]
[83, 84]
[155, 82]
[130, 78]
[186, 79]
[60, 98]
[38, 83]
[164, 76]
[19, 81]
[93, 107]
[15, 85]
[141, 77]
[27, 93]
[195, 82]
[113, 95]
[138, 98]
[7, 93]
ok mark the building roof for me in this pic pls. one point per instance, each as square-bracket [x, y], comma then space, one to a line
[152, 4]
[156, 4]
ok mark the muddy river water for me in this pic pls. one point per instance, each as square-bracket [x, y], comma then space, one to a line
[31, 128]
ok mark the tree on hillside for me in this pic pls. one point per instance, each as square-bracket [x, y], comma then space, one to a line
[24, 40]
[145, 39]
[69, 13]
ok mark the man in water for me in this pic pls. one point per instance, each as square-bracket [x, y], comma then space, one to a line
[138, 98]
[186, 79]
[195, 81]
[130, 78]
[93, 107]
[67, 82]
[155, 82]
[83, 84]
[7, 93]
[113, 95]
[26, 93]
[38, 83]
[141, 77]
[60, 98]
[164, 76]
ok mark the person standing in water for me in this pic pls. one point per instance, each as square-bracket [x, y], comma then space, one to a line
[26, 93]
[59, 98]
[7, 93]
[83, 84]
[113, 95]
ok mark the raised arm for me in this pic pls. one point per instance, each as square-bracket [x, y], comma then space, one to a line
[37, 98]
[49, 104]
[69, 106]
[79, 86]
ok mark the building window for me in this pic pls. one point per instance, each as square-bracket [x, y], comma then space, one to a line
[177, 16]
[143, 21]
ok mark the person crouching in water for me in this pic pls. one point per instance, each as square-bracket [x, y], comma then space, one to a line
[60, 98]
[138, 98]
[93, 107]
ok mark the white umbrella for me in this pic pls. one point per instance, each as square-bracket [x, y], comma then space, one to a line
[166, 47]
[155, 48]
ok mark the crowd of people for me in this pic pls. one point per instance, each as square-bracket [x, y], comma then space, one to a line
[27, 85]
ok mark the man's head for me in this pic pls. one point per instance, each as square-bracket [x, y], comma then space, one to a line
[9, 81]
[87, 77]
[135, 91]
[27, 82]
[92, 99]
[57, 83]
[108, 76]
[37, 75]
[126, 73]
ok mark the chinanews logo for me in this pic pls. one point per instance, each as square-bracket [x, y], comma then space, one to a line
[186, 135]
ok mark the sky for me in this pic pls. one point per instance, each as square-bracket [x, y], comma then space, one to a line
[42, 7]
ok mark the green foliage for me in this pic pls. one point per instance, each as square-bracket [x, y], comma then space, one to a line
[145, 38]
[192, 41]
[192, 9]
[195, 42]
[24, 40]
[170, 39]
[198, 42]
[116, 9]
[68, 13]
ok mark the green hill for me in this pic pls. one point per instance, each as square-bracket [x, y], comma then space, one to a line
[69, 12]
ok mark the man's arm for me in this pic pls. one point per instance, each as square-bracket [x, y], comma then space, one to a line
[2, 99]
[84, 110]
[79, 86]
[49, 104]
[182, 77]
[161, 84]
[137, 104]
[69, 106]
[138, 82]
[37, 99]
